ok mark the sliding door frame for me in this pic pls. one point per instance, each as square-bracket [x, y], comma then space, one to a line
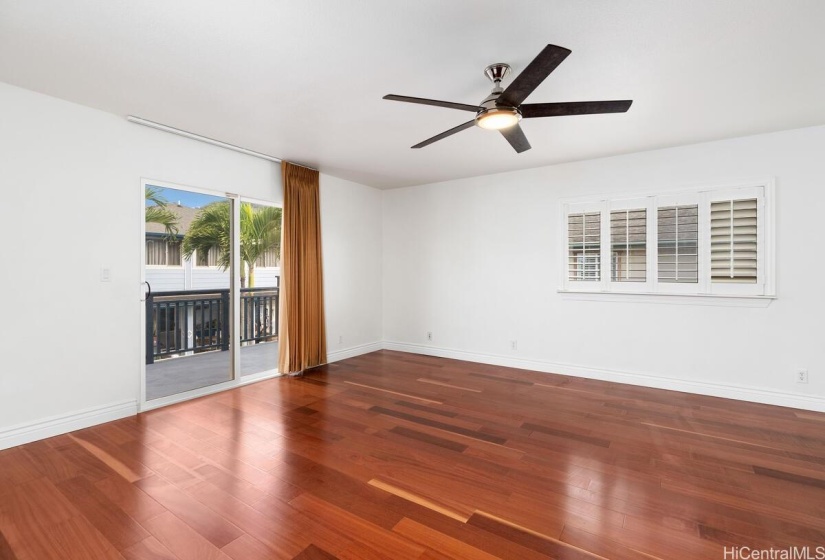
[236, 380]
[260, 376]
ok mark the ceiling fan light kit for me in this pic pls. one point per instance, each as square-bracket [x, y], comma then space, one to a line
[496, 119]
[503, 108]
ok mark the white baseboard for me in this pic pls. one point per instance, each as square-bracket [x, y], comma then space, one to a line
[56, 425]
[354, 351]
[735, 392]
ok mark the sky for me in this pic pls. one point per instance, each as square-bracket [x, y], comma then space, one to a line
[186, 198]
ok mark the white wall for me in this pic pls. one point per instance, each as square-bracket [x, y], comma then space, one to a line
[73, 202]
[476, 262]
[351, 230]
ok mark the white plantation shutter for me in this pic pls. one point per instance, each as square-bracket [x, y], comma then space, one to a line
[678, 244]
[584, 246]
[715, 242]
[628, 245]
[733, 241]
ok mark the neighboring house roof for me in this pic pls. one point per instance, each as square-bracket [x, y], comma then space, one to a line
[185, 214]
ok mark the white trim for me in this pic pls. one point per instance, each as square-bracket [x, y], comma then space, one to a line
[261, 202]
[735, 392]
[235, 286]
[141, 397]
[248, 378]
[64, 423]
[354, 351]
[661, 297]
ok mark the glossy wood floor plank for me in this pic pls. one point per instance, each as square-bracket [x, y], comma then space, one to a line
[393, 455]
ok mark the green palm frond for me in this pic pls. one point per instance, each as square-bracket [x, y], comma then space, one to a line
[260, 233]
[209, 230]
[157, 213]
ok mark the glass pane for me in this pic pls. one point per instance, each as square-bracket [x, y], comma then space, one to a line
[188, 315]
[584, 247]
[260, 279]
[628, 244]
[678, 244]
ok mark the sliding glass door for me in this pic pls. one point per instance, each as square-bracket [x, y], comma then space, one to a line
[260, 247]
[188, 272]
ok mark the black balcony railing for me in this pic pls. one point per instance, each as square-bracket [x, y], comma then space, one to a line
[195, 321]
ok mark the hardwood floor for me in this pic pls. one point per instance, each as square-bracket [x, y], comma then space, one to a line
[393, 455]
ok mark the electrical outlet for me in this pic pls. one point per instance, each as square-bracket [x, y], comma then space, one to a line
[429, 336]
[514, 345]
[802, 376]
[340, 339]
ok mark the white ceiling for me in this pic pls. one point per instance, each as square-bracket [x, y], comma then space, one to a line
[303, 79]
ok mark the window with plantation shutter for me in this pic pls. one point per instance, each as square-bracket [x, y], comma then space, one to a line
[678, 244]
[584, 246]
[733, 241]
[628, 245]
[716, 242]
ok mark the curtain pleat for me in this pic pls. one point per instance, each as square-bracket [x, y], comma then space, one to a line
[302, 337]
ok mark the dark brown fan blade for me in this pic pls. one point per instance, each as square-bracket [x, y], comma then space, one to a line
[435, 102]
[515, 135]
[443, 135]
[533, 110]
[530, 78]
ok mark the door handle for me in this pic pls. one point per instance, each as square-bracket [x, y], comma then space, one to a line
[148, 293]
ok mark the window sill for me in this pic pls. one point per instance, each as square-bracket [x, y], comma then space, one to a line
[676, 299]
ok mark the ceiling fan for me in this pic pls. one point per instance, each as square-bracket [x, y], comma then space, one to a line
[504, 108]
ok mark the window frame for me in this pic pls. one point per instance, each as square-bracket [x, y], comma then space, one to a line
[624, 204]
[762, 189]
[161, 239]
[721, 288]
[205, 266]
[683, 199]
[584, 285]
[262, 267]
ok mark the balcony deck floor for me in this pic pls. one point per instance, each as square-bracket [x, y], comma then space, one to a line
[177, 375]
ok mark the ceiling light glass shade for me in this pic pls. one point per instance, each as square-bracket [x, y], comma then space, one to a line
[496, 119]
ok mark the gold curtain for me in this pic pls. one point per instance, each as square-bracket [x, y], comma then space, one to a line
[302, 337]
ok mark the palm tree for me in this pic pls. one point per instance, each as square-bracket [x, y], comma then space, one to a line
[158, 213]
[260, 233]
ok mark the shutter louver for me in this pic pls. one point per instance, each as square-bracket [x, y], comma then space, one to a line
[584, 247]
[628, 244]
[733, 241]
[678, 244]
